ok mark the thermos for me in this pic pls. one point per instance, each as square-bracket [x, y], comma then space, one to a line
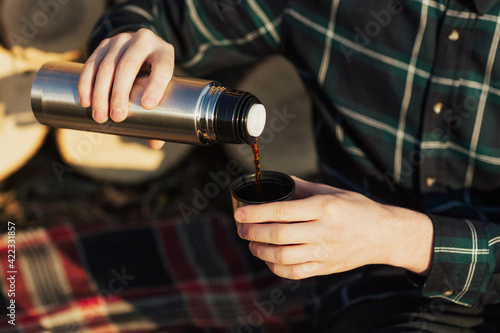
[192, 111]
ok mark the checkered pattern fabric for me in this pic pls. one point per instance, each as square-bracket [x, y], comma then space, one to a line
[169, 276]
[406, 98]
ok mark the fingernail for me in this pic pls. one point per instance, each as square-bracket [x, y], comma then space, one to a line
[98, 115]
[150, 102]
[118, 115]
[156, 145]
[239, 215]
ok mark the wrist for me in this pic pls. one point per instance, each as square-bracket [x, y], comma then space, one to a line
[412, 237]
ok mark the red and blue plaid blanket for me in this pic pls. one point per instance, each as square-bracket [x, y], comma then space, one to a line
[167, 276]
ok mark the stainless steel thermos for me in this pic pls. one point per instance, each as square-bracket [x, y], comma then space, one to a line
[191, 111]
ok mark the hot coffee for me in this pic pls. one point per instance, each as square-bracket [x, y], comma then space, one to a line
[270, 190]
[256, 161]
[275, 186]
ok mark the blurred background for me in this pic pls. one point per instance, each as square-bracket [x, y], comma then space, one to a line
[64, 189]
[109, 179]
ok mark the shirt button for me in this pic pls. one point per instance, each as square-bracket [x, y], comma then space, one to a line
[454, 35]
[448, 293]
[438, 107]
[430, 181]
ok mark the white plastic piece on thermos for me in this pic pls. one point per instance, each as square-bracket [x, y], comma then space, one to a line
[256, 120]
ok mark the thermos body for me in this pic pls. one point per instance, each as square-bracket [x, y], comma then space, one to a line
[192, 111]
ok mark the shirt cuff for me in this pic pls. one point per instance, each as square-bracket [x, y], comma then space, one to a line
[459, 271]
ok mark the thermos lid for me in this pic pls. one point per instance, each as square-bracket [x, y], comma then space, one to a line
[256, 120]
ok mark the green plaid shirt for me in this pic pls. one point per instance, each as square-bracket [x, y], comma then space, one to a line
[406, 104]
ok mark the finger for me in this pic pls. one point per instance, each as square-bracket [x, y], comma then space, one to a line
[126, 73]
[156, 144]
[161, 73]
[284, 211]
[305, 189]
[295, 272]
[104, 80]
[283, 255]
[278, 233]
[118, 104]
[89, 72]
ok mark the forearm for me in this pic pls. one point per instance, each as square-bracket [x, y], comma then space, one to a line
[128, 17]
[410, 240]
[203, 40]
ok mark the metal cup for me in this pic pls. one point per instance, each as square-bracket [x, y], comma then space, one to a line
[274, 186]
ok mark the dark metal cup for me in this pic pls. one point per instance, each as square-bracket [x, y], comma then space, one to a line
[274, 186]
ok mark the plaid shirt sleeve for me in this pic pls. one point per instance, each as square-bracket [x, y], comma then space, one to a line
[466, 260]
[206, 35]
[406, 100]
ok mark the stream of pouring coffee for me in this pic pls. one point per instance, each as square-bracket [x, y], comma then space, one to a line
[256, 161]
